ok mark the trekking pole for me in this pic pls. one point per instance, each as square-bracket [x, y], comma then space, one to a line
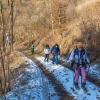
[88, 69]
[73, 78]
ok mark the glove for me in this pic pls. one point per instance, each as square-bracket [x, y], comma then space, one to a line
[58, 56]
[69, 62]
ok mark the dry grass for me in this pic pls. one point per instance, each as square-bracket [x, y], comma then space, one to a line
[17, 64]
[16, 59]
[33, 23]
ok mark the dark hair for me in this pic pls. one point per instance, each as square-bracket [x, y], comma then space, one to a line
[57, 45]
[47, 46]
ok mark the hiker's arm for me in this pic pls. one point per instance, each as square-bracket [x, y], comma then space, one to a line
[59, 51]
[71, 57]
[32, 46]
[87, 59]
[44, 51]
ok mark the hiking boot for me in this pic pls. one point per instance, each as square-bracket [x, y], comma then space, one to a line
[84, 87]
[76, 86]
[52, 62]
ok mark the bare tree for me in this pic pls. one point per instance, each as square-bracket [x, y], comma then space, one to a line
[3, 67]
[2, 25]
[12, 23]
[51, 16]
[4, 64]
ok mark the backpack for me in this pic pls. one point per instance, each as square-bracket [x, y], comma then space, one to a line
[55, 50]
[47, 50]
[81, 60]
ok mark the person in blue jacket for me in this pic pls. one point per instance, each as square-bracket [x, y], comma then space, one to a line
[55, 52]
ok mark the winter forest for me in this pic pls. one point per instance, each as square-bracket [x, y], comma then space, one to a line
[49, 49]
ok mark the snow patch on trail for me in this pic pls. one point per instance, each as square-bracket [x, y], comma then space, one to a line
[65, 77]
[31, 84]
[28, 84]
[95, 71]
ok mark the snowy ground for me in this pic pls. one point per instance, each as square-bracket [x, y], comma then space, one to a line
[65, 77]
[32, 85]
[95, 71]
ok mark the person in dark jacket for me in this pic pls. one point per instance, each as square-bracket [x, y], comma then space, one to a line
[55, 52]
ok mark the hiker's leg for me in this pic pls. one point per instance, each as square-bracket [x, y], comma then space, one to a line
[47, 57]
[32, 51]
[76, 76]
[56, 59]
[83, 73]
[53, 61]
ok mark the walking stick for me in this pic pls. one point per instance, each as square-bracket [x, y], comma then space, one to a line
[88, 69]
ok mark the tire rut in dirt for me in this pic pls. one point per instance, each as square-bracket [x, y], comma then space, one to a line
[64, 95]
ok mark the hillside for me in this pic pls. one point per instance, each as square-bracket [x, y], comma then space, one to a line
[57, 21]
[40, 74]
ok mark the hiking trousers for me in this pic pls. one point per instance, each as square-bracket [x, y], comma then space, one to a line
[32, 50]
[78, 71]
[46, 57]
[55, 59]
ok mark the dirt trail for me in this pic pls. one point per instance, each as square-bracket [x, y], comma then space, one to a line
[58, 87]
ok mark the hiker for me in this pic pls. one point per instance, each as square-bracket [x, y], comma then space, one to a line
[79, 60]
[55, 52]
[46, 52]
[8, 41]
[32, 49]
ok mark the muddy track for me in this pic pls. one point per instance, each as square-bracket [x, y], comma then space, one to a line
[61, 92]
[58, 87]
[90, 78]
